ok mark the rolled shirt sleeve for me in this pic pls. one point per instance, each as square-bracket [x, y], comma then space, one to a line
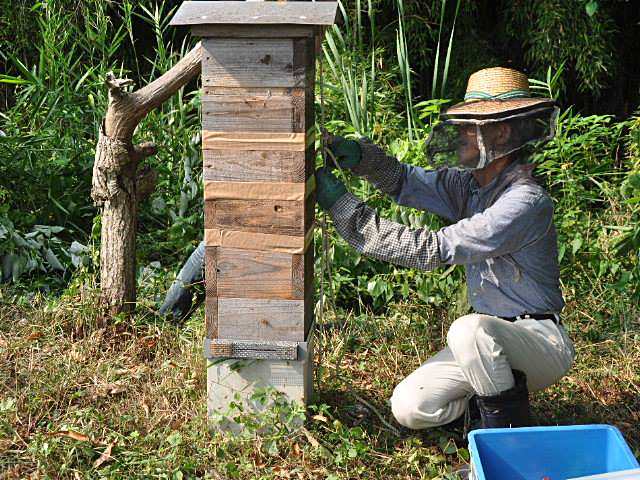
[382, 239]
[522, 215]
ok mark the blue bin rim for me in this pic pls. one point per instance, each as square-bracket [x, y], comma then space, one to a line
[475, 456]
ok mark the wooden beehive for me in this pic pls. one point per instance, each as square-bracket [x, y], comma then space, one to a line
[258, 71]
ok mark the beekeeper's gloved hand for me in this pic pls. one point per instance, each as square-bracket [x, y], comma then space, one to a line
[328, 188]
[347, 152]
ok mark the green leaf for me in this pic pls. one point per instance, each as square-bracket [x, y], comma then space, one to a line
[52, 260]
[561, 251]
[272, 448]
[592, 7]
[375, 288]
[576, 244]
[13, 80]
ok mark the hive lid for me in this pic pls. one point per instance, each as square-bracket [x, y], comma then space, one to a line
[255, 13]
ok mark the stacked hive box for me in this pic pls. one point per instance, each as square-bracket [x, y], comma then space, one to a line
[258, 70]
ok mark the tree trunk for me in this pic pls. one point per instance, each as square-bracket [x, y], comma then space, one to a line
[121, 181]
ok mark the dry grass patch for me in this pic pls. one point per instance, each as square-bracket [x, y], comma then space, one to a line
[80, 401]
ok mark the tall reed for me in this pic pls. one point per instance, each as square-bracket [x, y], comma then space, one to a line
[353, 65]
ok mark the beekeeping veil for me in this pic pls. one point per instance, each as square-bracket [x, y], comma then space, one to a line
[498, 117]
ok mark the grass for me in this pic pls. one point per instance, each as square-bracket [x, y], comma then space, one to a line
[71, 391]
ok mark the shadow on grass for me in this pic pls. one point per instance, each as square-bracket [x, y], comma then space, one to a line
[622, 410]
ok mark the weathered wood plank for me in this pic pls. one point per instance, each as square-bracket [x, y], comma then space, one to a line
[309, 212]
[255, 13]
[211, 316]
[261, 319]
[211, 292]
[250, 166]
[255, 274]
[253, 91]
[209, 212]
[281, 217]
[255, 113]
[210, 275]
[263, 62]
[280, 141]
[309, 279]
[250, 31]
[215, 237]
[254, 191]
[297, 275]
[258, 191]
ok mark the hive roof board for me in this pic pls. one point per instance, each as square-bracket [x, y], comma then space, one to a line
[255, 13]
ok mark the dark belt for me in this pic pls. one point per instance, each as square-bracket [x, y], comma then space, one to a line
[536, 316]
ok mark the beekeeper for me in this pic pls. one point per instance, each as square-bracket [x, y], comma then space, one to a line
[501, 231]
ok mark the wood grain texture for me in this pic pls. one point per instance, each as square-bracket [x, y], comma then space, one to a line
[280, 141]
[253, 91]
[297, 275]
[249, 166]
[259, 113]
[251, 31]
[309, 299]
[210, 274]
[261, 319]
[280, 217]
[309, 212]
[214, 237]
[211, 291]
[264, 62]
[258, 190]
[308, 270]
[254, 274]
[255, 13]
[211, 316]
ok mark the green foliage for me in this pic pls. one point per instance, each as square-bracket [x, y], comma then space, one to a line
[50, 134]
[585, 169]
[367, 90]
[557, 32]
[352, 78]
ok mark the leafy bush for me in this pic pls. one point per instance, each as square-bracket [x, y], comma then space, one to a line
[50, 134]
[557, 32]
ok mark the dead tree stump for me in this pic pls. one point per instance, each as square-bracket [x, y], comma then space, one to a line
[121, 180]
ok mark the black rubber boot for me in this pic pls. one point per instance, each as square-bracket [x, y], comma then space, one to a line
[506, 409]
[178, 303]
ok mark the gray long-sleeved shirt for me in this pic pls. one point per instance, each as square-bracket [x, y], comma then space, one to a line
[503, 233]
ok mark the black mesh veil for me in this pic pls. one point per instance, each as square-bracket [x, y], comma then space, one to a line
[473, 143]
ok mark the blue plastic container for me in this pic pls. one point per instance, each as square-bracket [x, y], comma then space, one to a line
[559, 453]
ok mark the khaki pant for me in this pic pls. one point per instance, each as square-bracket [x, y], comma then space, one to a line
[481, 351]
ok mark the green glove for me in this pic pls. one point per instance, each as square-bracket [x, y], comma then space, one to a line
[347, 152]
[328, 188]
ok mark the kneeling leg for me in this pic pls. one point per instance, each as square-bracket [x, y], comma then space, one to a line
[435, 394]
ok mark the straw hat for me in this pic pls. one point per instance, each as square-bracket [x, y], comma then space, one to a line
[496, 92]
